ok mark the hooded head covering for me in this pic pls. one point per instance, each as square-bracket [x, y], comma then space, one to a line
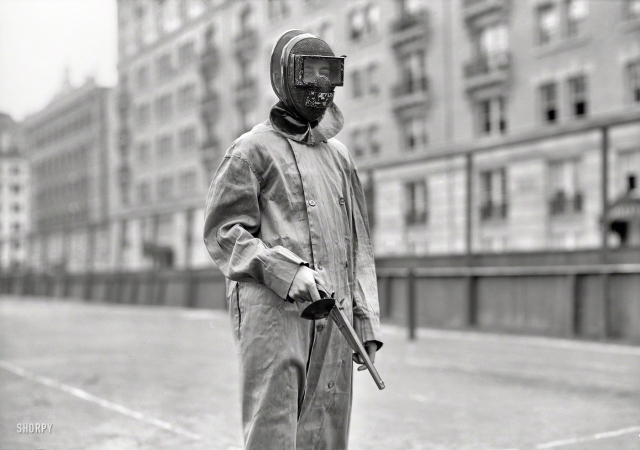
[306, 112]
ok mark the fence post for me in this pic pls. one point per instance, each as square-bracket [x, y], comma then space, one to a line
[606, 303]
[191, 289]
[576, 305]
[411, 306]
[472, 300]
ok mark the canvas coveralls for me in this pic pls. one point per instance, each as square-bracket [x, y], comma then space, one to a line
[273, 205]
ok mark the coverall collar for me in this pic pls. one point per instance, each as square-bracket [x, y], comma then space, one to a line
[299, 129]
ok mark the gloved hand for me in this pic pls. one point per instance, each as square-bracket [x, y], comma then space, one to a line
[304, 287]
[371, 347]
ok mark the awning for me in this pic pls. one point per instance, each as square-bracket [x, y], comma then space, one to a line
[624, 209]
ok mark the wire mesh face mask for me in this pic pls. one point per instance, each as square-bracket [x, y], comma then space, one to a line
[304, 73]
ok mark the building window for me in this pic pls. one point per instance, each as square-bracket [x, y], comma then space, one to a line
[374, 139]
[413, 72]
[372, 18]
[164, 107]
[165, 188]
[143, 152]
[372, 79]
[15, 170]
[491, 116]
[187, 138]
[356, 144]
[547, 23]
[578, 95]
[15, 207]
[144, 192]
[628, 171]
[164, 67]
[164, 146]
[549, 102]
[187, 97]
[576, 12]
[494, 44]
[142, 77]
[124, 234]
[632, 9]
[143, 115]
[364, 21]
[356, 24]
[484, 116]
[417, 207]
[188, 182]
[246, 17]
[356, 83]
[186, 55]
[277, 9]
[414, 133]
[16, 189]
[633, 74]
[502, 115]
[564, 185]
[493, 194]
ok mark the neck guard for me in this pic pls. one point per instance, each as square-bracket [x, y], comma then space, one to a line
[297, 128]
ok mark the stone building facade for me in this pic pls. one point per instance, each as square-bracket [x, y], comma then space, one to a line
[14, 196]
[67, 144]
[477, 125]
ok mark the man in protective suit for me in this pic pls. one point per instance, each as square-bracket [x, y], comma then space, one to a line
[285, 219]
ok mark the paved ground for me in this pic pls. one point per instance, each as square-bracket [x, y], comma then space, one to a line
[130, 377]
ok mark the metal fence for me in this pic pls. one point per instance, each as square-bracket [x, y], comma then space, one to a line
[589, 300]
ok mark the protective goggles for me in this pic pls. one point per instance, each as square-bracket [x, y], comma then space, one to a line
[307, 68]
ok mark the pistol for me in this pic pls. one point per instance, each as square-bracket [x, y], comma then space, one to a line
[328, 306]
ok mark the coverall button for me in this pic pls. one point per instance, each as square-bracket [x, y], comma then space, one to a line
[312, 203]
[342, 200]
[320, 327]
[320, 267]
[331, 384]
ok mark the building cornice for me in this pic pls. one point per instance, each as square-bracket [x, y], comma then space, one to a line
[462, 149]
[67, 101]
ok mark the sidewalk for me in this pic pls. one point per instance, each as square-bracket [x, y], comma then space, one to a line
[133, 377]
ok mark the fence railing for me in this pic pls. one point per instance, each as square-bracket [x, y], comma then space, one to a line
[589, 301]
[592, 301]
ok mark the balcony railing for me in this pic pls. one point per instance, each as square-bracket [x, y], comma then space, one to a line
[410, 26]
[413, 217]
[246, 43]
[486, 64]
[411, 86]
[410, 19]
[563, 204]
[209, 62]
[489, 211]
[473, 9]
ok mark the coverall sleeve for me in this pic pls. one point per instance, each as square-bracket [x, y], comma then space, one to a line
[366, 310]
[231, 224]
